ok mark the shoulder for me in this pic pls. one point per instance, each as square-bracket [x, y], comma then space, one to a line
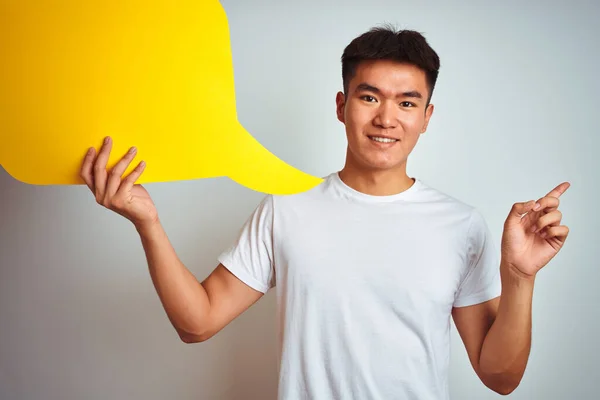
[448, 202]
[466, 219]
[468, 225]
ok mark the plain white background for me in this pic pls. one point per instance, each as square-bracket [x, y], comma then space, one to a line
[516, 114]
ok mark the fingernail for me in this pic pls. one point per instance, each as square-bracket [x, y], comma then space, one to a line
[132, 150]
[537, 206]
[90, 150]
[533, 228]
[106, 139]
[543, 235]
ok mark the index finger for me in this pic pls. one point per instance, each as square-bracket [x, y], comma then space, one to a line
[559, 190]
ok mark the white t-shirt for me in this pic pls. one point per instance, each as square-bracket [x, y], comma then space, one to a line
[365, 286]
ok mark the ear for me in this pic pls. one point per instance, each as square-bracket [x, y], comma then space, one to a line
[340, 103]
[428, 113]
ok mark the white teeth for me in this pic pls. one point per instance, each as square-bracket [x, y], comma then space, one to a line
[382, 140]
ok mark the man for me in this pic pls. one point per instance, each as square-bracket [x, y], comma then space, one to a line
[370, 265]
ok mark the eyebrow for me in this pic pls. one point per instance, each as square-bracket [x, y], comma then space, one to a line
[370, 88]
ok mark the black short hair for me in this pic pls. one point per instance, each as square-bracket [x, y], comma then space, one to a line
[387, 43]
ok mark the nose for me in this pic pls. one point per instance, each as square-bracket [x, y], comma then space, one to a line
[386, 117]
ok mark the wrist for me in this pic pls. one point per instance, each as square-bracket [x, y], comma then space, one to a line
[511, 275]
[147, 227]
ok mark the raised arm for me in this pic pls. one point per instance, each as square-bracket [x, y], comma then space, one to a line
[197, 310]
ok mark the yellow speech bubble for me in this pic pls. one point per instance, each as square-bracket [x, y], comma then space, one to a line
[157, 75]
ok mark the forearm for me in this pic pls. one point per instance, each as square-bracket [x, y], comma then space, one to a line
[506, 347]
[184, 299]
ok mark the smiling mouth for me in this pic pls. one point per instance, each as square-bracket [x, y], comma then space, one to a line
[382, 139]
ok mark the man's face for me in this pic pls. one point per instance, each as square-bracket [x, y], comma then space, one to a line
[384, 113]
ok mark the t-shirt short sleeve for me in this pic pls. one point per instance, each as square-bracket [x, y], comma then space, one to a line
[482, 280]
[250, 256]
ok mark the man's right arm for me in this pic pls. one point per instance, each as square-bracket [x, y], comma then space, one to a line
[197, 310]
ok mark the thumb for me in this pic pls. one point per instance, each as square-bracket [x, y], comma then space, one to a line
[518, 210]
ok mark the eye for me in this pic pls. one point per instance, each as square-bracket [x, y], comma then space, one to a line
[407, 104]
[368, 98]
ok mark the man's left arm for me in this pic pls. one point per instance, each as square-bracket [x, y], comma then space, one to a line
[497, 333]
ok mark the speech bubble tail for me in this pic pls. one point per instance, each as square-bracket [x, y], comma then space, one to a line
[258, 169]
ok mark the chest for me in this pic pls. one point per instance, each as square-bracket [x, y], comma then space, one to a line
[391, 258]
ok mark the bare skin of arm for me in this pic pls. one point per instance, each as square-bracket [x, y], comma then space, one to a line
[197, 310]
[497, 334]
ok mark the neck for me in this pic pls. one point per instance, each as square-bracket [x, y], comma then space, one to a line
[376, 182]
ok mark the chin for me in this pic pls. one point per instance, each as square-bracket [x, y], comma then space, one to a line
[375, 161]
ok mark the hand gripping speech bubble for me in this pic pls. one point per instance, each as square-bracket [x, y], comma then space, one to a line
[157, 75]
